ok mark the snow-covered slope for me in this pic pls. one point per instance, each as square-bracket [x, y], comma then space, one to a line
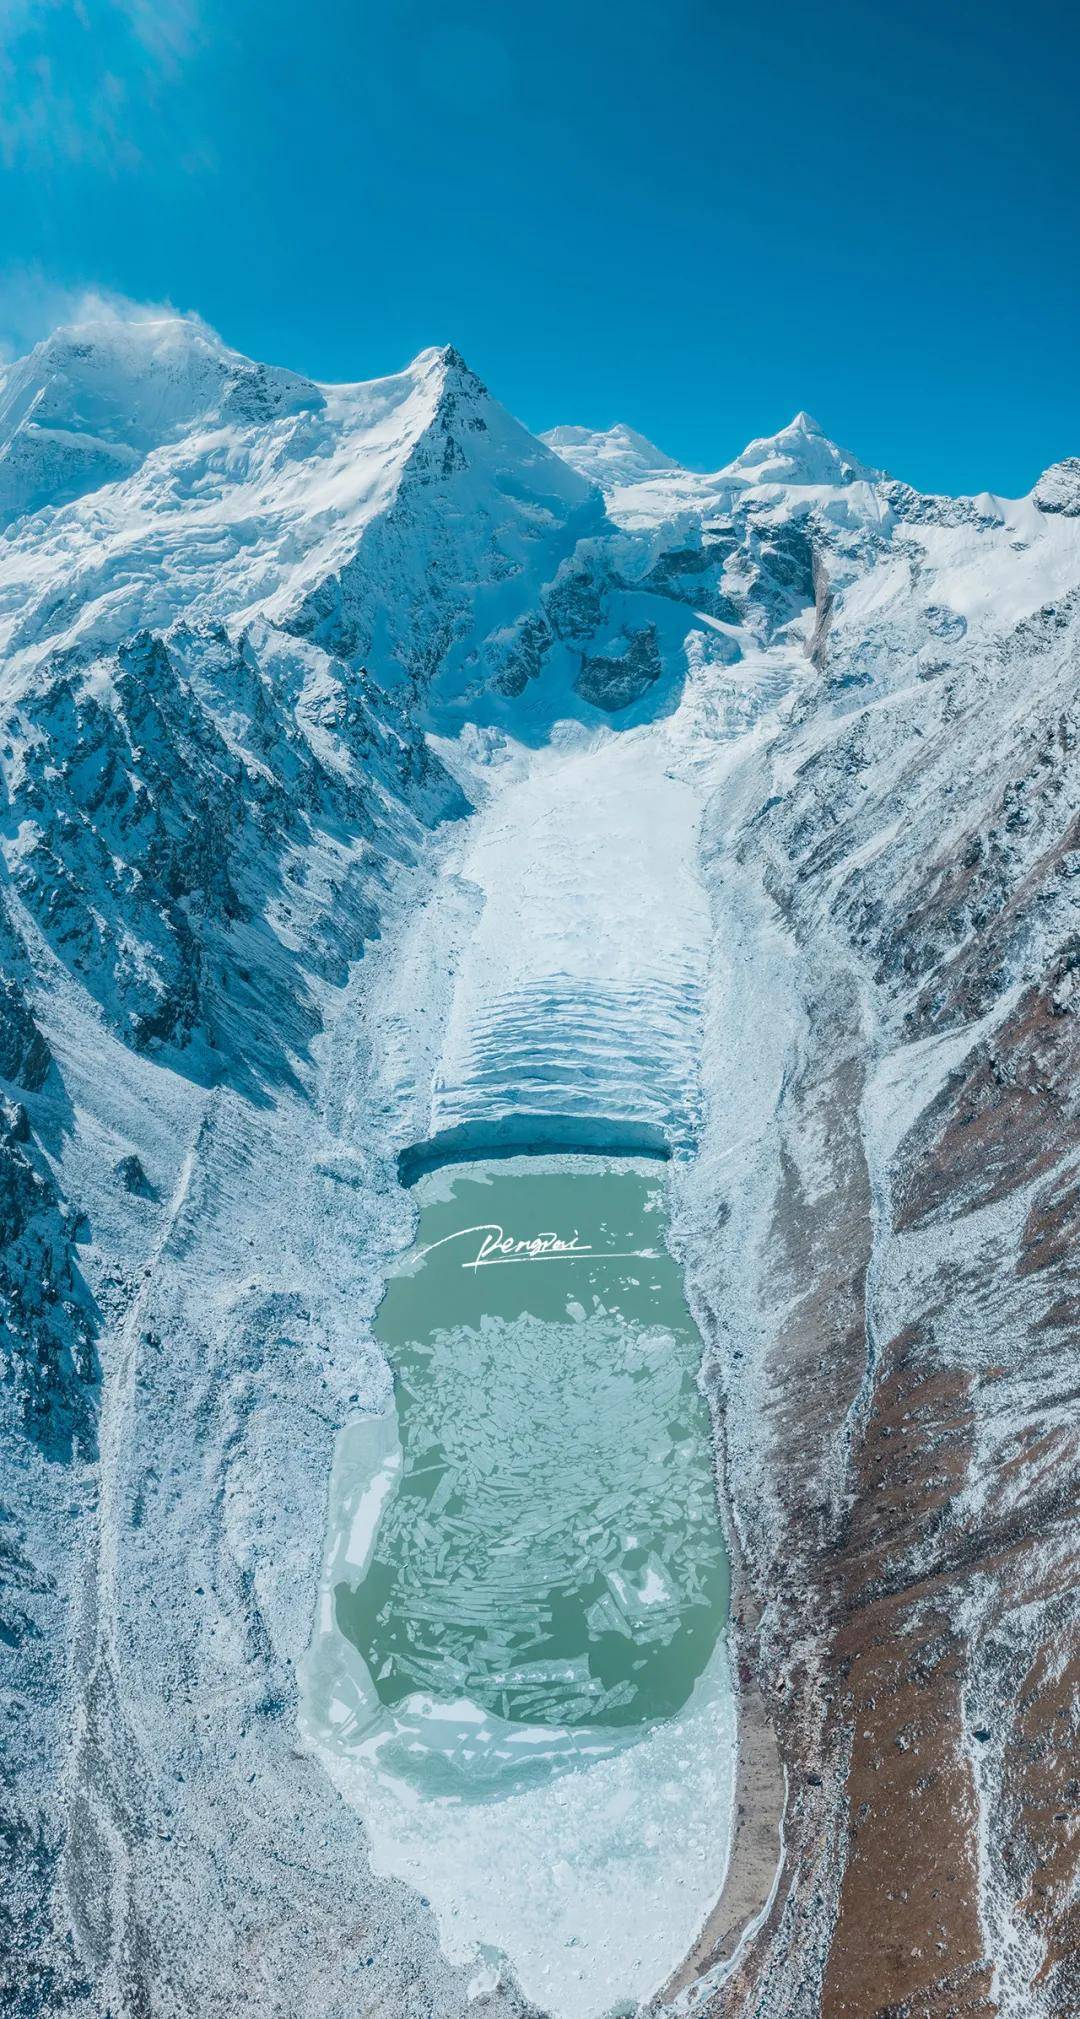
[774, 848]
[609, 456]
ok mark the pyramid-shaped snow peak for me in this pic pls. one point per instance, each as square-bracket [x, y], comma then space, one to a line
[801, 453]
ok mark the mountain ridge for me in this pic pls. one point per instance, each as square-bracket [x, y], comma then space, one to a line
[112, 387]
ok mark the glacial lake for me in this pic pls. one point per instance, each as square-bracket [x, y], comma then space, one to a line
[526, 1584]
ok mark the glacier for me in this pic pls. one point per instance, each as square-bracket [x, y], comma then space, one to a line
[374, 768]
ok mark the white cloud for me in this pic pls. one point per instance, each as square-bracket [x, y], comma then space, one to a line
[32, 305]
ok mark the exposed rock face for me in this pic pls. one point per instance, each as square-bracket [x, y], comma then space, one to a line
[233, 606]
[619, 680]
[24, 1055]
[47, 1318]
[49, 1395]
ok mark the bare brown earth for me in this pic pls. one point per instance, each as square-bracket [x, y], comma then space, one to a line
[914, 1630]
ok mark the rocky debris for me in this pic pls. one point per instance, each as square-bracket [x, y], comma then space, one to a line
[817, 648]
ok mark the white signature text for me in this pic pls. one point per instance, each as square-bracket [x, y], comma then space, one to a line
[497, 1247]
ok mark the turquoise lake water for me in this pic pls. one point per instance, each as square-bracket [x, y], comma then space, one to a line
[541, 1574]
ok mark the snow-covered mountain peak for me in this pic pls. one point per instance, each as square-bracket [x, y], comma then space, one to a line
[94, 398]
[799, 454]
[94, 357]
[616, 455]
[444, 364]
[148, 471]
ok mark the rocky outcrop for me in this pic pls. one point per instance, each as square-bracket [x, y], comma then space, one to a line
[617, 680]
[47, 1317]
[25, 1057]
[1058, 489]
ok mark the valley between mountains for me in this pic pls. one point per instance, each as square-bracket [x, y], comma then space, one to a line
[374, 770]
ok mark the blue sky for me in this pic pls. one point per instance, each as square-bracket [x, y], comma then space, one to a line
[690, 217]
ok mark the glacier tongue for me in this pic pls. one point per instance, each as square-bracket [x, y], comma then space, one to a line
[579, 992]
